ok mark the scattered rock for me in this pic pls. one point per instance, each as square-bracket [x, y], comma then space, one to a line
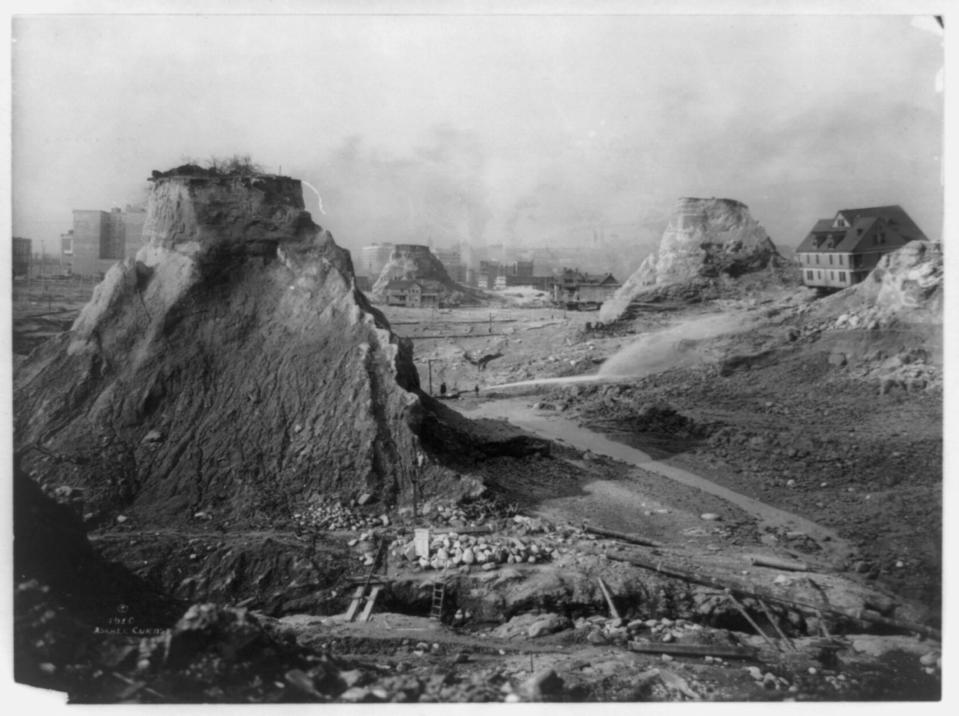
[545, 685]
[596, 637]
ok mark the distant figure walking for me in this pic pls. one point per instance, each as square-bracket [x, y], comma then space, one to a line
[442, 388]
[476, 389]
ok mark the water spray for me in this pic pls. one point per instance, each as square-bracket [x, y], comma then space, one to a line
[677, 346]
[319, 199]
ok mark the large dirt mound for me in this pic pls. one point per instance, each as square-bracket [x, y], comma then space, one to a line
[708, 244]
[413, 262]
[232, 368]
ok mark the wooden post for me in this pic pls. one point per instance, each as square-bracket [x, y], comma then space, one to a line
[415, 504]
[634, 539]
[725, 652]
[772, 620]
[775, 563]
[752, 623]
[609, 599]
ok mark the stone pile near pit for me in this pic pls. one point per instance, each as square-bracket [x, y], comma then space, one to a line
[450, 515]
[331, 514]
[452, 550]
[603, 630]
[599, 629]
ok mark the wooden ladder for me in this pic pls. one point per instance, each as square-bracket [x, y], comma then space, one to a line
[439, 596]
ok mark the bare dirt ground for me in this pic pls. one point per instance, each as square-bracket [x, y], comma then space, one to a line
[791, 428]
[43, 307]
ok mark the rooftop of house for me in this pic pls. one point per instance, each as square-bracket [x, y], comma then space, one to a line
[571, 276]
[827, 236]
[400, 284]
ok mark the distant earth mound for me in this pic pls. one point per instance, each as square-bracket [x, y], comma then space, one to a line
[231, 370]
[415, 262]
[708, 245]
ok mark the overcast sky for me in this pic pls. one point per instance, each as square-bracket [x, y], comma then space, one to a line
[517, 128]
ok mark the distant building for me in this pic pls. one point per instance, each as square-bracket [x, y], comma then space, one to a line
[21, 256]
[99, 239]
[576, 287]
[523, 269]
[419, 293]
[452, 262]
[372, 260]
[841, 251]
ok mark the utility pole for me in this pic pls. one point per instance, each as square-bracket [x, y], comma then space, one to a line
[429, 365]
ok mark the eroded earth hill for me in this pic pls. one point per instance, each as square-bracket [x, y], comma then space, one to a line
[707, 245]
[231, 369]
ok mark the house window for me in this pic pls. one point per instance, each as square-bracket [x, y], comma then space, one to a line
[809, 275]
[840, 259]
[817, 259]
[830, 259]
[842, 276]
[819, 274]
[832, 275]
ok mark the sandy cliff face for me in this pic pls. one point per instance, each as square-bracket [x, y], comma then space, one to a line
[707, 242]
[231, 368]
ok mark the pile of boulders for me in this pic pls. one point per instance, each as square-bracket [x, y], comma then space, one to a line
[440, 514]
[468, 514]
[907, 371]
[599, 629]
[331, 514]
[452, 550]
[603, 630]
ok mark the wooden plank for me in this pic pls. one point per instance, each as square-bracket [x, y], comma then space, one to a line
[633, 539]
[421, 542]
[772, 620]
[379, 579]
[674, 649]
[365, 617]
[609, 600]
[775, 563]
[355, 604]
[752, 623]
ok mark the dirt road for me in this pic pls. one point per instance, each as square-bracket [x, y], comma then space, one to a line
[519, 412]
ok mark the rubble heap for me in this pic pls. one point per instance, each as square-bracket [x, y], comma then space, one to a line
[905, 287]
[232, 368]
